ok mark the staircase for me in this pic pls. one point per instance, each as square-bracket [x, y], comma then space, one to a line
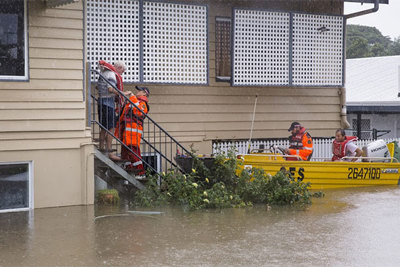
[113, 173]
[158, 148]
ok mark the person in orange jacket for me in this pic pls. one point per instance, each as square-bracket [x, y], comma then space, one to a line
[130, 129]
[300, 143]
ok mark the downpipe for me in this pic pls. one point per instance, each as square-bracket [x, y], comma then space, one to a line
[343, 112]
[364, 12]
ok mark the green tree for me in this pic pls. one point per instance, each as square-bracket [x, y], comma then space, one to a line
[395, 47]
[364, 41]
[377, 50]
[358, 48]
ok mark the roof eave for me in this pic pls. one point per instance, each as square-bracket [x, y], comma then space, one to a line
[374, 108]
[368, 1]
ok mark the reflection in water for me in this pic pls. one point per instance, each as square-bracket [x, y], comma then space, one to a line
[357, 227]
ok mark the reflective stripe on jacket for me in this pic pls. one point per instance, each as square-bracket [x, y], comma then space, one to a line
[301, 144]
[133, 116]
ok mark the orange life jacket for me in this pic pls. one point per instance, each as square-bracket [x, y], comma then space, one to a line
[339, 148]
[133, 120]
[301, 144]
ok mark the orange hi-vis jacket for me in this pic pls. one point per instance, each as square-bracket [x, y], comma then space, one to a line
[301, 144]
[133, 120]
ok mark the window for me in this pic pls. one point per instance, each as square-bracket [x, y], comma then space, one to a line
[15, 186]
[13, 40]
[223, 49]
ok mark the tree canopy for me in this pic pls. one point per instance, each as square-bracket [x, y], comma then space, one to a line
[365, 41]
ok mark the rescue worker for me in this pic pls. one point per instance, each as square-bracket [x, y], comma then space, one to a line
[130, 129]
[344, 146]
[300, 143]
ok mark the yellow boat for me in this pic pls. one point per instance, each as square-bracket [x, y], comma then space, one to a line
[326, 174]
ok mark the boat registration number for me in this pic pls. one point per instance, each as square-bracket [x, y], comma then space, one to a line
[364, 173]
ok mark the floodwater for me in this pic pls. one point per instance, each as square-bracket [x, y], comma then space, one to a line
[357, 227]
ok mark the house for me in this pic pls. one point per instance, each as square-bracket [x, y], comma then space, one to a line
[44, 137]
[373, 86]
[207, 63]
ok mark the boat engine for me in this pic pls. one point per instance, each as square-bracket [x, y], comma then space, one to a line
[377, 151]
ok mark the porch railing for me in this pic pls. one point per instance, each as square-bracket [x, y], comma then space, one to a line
[158, 148]
[322, 146]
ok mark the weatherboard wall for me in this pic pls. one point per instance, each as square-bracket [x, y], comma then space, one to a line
[42, 120]
[200, 114]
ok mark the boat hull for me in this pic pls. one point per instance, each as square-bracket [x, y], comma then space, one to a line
[326, 175]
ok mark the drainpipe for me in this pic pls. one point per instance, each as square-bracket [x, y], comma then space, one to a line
[342, 92]
[364, 12]
[343, 112]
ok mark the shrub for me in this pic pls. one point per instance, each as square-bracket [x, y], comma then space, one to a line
[219, 186]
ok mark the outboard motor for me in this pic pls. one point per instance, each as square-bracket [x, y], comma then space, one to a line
[375, 150]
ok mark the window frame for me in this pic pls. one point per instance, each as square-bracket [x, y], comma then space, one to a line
[30, 186]
[217, 77]
[25, 78]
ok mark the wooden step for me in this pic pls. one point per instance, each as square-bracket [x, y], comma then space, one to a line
[118, 170]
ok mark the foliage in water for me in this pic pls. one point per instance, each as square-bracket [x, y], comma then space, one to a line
[108, 196]
[219, 186]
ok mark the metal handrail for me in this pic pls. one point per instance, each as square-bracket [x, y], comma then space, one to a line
[150, 119]
[275, 155]
[156, 127]
[119, 141]
[370, 158]
[342, 159]
[274, 149]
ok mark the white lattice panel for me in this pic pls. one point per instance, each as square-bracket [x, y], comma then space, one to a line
[174, 43]
[113, 34]
[317, 50]
[261, 48]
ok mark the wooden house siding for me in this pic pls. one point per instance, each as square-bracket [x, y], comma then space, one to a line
[199, 114]
[48, 111]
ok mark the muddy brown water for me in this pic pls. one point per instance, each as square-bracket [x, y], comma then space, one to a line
[356, 227]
